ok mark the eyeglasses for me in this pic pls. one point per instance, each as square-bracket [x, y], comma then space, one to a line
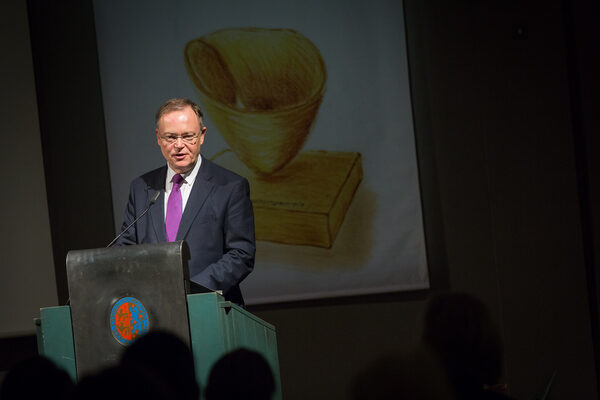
[189, 138]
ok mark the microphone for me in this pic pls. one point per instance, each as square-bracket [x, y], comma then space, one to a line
[152, 201]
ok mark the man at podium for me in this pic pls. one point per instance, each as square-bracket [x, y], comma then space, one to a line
[197, 201]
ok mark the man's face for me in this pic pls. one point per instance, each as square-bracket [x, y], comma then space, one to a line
[175, 126]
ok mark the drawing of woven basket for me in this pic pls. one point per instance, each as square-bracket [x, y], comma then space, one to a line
[261, 88]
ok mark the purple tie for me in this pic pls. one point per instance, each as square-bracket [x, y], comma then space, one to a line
[174, 209]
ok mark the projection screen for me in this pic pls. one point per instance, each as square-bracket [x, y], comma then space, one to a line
[310, 101]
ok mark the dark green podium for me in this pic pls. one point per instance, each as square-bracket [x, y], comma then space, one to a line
[79, 339]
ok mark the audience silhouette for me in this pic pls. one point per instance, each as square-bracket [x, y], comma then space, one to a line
[158, 365]
[38, 378]
[240, 374]
[169, 357]
[123, 382]
[459, 331]
[460, 357]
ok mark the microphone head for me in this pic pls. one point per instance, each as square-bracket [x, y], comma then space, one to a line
[155, 197]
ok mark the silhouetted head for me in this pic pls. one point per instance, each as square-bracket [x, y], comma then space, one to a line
[459, 330]
[37, 377]
[169, 357]
[123, 382]
[240, 374]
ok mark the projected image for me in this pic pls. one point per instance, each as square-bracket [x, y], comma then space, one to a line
[262, 89]
[310, 101]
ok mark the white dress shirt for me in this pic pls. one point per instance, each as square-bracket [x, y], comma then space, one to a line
[186, 186]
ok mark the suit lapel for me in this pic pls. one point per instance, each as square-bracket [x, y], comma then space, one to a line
[200, 192]
[157, 212]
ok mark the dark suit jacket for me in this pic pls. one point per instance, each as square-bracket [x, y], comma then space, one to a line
[217, 224]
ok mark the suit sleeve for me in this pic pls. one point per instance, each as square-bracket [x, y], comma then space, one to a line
[239, 243]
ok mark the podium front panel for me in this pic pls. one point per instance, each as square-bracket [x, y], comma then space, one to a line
[120, 293]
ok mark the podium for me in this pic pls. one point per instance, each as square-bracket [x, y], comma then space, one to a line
[118, 294]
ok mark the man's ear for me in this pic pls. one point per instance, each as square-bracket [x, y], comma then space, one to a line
[202, 133]
[157, 137]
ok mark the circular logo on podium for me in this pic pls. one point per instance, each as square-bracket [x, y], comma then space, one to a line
[128, 320]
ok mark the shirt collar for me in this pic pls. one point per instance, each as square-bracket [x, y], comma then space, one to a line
[189, 177]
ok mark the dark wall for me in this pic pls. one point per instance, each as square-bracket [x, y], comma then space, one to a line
[583, 63]
[492, 90]
[65, 58]
[504, 119]
[26, 276]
